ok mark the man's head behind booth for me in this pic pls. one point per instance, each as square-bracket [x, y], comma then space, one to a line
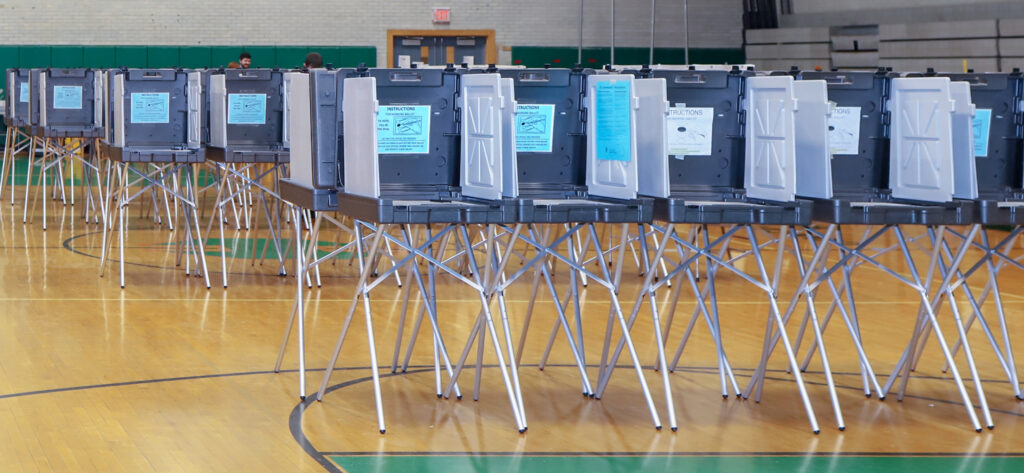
[313, 61]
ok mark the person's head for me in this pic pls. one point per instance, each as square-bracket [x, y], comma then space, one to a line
[244, 60]
[313, 61]
[233, 65]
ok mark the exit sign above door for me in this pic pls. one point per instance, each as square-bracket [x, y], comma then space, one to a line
[442, 15]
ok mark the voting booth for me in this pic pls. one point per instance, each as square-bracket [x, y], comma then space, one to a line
[900, 158]
[248, 123]
[420, 150]
[891, 140]
[18, 98]
[69, 103]
[996, 143]
[316, 128]
[576, 145]
[155, 116]
[730, 149]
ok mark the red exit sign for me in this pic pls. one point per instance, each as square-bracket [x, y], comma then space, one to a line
[442, 15]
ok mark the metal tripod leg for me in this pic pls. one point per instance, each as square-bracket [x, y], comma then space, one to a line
[624, 327]
[903, 365]
[362, 292]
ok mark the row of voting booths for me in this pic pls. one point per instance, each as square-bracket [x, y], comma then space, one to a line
[545, 154]
[492, 176]
[157, 130]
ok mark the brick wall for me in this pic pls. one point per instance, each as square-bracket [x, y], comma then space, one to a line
[713, 23]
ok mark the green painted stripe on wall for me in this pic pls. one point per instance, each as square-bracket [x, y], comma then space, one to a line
[675, 464]
[106, 56]
[538, 56]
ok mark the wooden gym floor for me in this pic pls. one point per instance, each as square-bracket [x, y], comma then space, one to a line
[168, 376]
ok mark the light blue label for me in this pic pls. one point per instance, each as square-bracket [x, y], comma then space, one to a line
[151, 107]
[982, 123]
[403, 129]
[247, 109]
[67, 97]
[534, 128]
[23, 90]
[611, 108]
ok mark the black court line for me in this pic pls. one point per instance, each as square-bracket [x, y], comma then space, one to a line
[68, 246]
[321, 457]
[295, 417]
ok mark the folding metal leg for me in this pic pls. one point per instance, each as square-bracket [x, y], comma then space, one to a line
[362, 292]
[487, 284]
[647, 289]
[1004, 353]
[904, 364]
[428, 296]
[848, 315]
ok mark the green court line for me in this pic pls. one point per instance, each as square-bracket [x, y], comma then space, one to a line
[206, 178]
[245, 248]
[675, 463]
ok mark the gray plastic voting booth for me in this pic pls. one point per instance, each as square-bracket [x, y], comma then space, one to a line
[710, 162]
[17, 118]
[248, 127]
[411, 167]
[153, 135]
[894, 163]
[69, 103]
[996, 155]
[891, 141]
[998, 134]
[155, 116]
[316, 128]
[248, 123]
[18, 98]
[422, 147]
[577, 143]
[720, 147]
[576, 161]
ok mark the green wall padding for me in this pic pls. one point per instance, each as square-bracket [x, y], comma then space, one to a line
[67, 56]
[192, 57]
[538, 56]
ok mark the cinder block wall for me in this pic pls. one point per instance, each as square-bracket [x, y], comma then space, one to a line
[713, 23]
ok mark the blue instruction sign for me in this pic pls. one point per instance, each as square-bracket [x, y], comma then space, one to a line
[403, 129]
[67, 97]
[23, 90]
[151, 107]
[982, 123]
[611, 108]
[247, 109]
[534, 128]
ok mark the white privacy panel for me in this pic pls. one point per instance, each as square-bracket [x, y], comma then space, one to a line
[611, 136]
[300, 163]
[195, 109]
[965, 173]
[921, 146]
[770, 171]
[359, 106]
[218, 111]
[481, 136]
[651, 138]
[119, 134]
[509, 163]
[813, 159]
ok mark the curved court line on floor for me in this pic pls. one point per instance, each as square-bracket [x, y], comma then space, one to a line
[68, 246]
[321, 457]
